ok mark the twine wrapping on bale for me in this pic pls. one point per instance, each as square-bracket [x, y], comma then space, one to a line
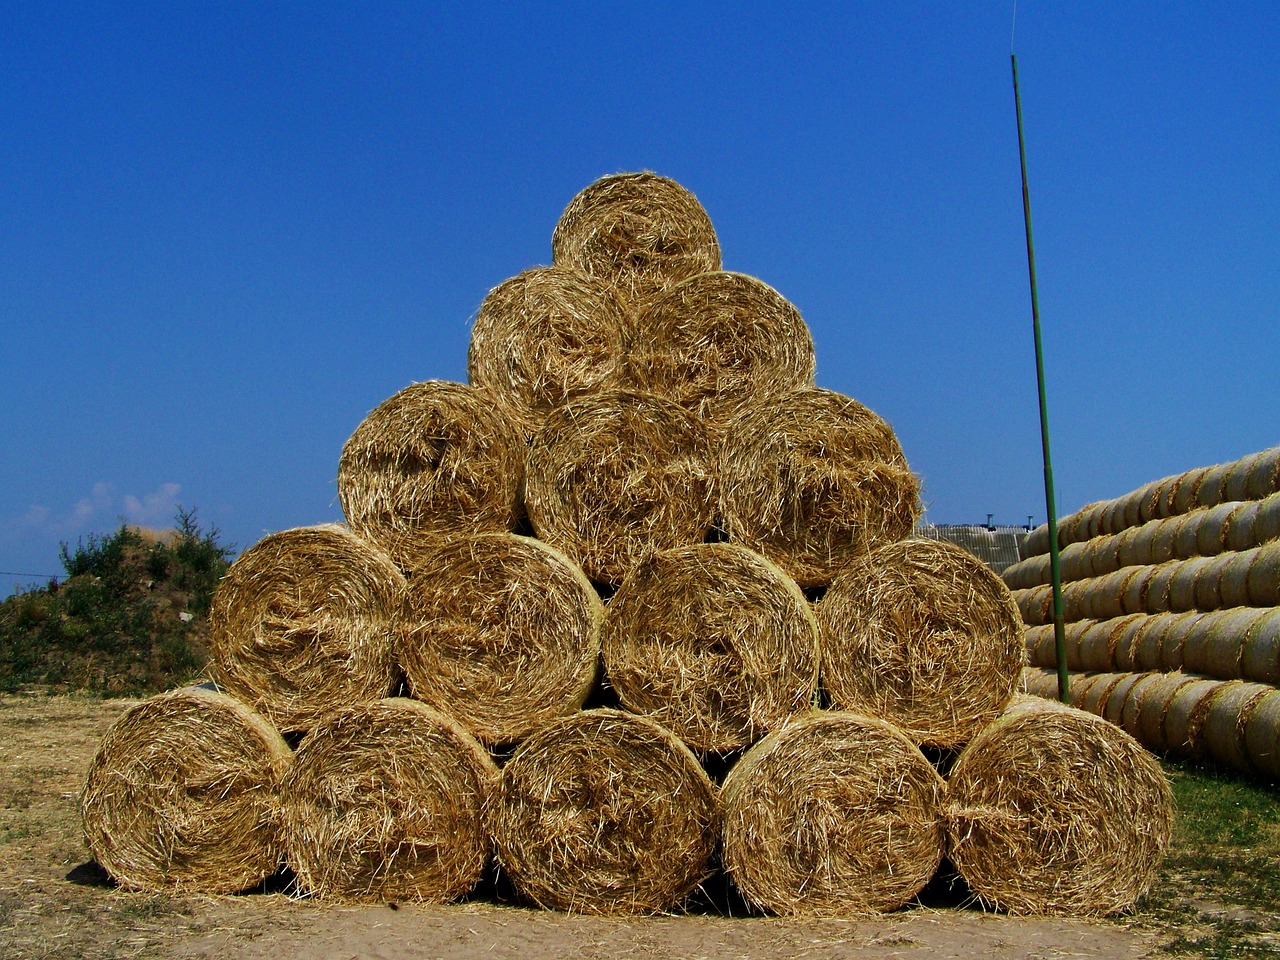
[302, 623]
[813, 479]
[500, 632]
[719, 342]
[543, 338]
[712, 641]
[639, 231]
[923, 634]
[834, 814]
[614, 477]
[181, 795]
[605, 812]
[436, 458]
[387, 801]
[1057, 811]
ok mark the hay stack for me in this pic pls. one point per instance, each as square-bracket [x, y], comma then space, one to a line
[545, 337]
[605, 812]
[386, 801]
[638, 231]
[834, 814]
[500, 632]
[923, 634]
[180, 795]
[436, 458]
[613, 477]
[719, 342]
[811, 480]
[1057, 811]
[302, 622]
[712, 641]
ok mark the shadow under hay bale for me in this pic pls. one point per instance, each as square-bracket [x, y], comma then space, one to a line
[1056, 811]
[614, 477]
[436, 458]
[717, 343]
[639, 231]
[921, 633]
[301, 623]
[835, 814]
[605, 812]
[714, 642]
[181, 796]
[811, 480]
[545, 337]
[387, 801]
[500, 632]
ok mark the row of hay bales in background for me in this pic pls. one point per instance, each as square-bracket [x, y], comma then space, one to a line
[1171, 610]
[568, 584]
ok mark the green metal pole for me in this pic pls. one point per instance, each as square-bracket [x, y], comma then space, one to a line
[1055, 564]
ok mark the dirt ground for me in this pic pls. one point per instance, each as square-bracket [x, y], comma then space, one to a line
[56, 903]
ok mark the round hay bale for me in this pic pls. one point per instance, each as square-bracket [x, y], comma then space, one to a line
[924, 635]
[1147, 646]
[302, 623]
[1035, 606]
[1239, 532]
[1154, 708]
[1221, 734]
[1036, 542]
[1186, 713]
[718, 343]
[1134, 546]
[436, 458]
[1259, 648]
[1185, 493]
[1266, 523]
[1091, 694]
[1039, 682]
[1056, 811]
[1262, 735]
[1159, 586]
[1208, 588]
[1264, 475]
[545, 337]
[835, 814]
[1113, 709]
[1225, 639]
[500, 632]
[1041, 645]
[1150, 506]
[1181, 627]
[1264, 576]
[1211, 528]
[712, 641]
[181, 795]
[1128, 640]
[1213, 488]
[1030, 572]
[1095, 652]
[1075, 562]
[638, 231]
[1133, 596]
[1236, 486]
[614, 477]
[1131, 710]
[813, 479]
[605, 812]
[386, 802]
[1233, 579]
[1182, 586]
[1164, 542]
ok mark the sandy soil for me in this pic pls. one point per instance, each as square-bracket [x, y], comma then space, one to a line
[56, 903]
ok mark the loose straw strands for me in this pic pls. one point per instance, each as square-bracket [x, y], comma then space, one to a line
[835, 814]
[387, 801]
[1054, 810]
[638, 231]
[811, 480]
[921, 633]
[714, 642]
[501, 632]
[605, 812]
[434, 459]
[613, 477]
[181, 795]
[302, 623]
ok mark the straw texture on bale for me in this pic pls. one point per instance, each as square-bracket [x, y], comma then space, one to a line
[302, 623]
[501, 632]
[712, 641]
[543, 338]
[639, 231]
[833, 814]
[605, 812]
[719, 342]
[436, 458]
[921, 633]
[1057, 811]
[181, 795]
[813, 479]
[614, 477]
[387, 801]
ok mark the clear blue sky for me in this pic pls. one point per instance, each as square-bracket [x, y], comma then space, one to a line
[229, 230]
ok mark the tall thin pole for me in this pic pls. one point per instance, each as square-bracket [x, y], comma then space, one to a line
[1055, 564]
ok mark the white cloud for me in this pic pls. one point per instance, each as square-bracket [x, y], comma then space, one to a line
[155, 509]
[99, 512]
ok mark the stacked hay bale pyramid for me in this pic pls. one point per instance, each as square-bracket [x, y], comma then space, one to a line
[638, 546]
[1171, 607]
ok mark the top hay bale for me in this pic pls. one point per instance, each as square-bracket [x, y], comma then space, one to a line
[812, 479]
[436, 458]
[639, 231]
